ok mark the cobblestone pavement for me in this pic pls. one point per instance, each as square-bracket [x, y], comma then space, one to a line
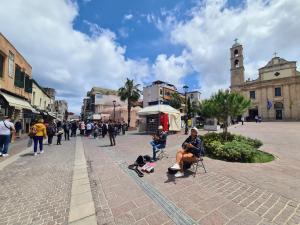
[36, 190]
[220, 196]
[16, 147]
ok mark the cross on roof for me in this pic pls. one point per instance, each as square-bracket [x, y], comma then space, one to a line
[236, 40]
[275, 54]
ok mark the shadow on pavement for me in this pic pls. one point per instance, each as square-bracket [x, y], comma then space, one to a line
[27, 154]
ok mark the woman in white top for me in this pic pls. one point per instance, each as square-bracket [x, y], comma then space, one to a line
[6, 127]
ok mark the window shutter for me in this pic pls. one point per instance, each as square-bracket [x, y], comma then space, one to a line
[1, 65]
[22, 77]
[17, 76]
[28, 84]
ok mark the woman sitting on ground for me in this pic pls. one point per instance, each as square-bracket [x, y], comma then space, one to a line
[190, 151]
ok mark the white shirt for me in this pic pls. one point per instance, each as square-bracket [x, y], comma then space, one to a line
[5, 130]
[89, 126]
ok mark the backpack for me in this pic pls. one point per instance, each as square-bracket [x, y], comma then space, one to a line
[142, 160]
[32, 132]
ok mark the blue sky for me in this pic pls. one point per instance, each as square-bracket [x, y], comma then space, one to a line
[73, 45]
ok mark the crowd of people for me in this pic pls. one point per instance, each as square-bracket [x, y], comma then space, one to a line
[41, 130]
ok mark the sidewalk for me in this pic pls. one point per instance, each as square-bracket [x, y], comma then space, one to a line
[37, 190]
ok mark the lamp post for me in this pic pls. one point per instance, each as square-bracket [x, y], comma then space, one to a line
[114, 102]
[185, 88]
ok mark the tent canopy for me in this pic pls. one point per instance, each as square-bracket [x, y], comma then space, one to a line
[155, 109]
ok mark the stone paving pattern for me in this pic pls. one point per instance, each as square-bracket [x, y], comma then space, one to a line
[36, 190]
[217, 197]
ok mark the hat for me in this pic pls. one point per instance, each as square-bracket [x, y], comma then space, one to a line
[195, 129]
[160, 127]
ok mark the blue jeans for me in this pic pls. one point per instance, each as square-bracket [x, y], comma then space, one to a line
[38, 140]
[4, 143]
[155, 148]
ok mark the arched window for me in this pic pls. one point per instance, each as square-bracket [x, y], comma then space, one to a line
[236, 64]
[236, 53]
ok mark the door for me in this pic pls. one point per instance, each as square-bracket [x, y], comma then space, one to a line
[278, 114]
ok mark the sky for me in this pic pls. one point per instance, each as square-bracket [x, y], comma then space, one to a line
[73, 45]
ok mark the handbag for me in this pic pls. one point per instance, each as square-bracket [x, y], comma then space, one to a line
[29, 143]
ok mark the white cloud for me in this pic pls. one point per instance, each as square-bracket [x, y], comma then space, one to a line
[171, 69]
[128, 17]
[62, 57]
[263, 27]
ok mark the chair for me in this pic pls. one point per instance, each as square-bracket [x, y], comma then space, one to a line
[162, 153]
[196, 164]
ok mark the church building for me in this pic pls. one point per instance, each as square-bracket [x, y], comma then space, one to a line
[275, 94]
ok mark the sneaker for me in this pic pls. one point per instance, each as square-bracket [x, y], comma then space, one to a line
[175, 167]
[35, 154]
[179, 174]
[5, 155]
[0, 153]
[41, 152]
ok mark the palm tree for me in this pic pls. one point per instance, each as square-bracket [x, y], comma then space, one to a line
[131, 93]
[225, 105]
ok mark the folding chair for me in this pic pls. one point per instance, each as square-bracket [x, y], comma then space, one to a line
[196, 164]
[162, 153]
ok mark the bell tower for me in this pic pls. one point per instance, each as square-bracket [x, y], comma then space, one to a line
[237, 65]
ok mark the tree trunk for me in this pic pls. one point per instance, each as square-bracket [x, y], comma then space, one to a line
[129, 110]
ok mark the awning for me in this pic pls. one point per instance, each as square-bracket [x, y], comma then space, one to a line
[17, 102]
[156, 109]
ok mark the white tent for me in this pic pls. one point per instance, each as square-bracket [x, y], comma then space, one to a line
[174, 115]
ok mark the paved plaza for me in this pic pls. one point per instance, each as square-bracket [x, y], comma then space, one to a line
[40, 190]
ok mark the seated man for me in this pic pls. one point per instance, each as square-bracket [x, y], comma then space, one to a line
[159, 141]
[190, 151]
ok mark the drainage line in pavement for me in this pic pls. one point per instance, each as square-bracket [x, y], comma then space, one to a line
[176, 214]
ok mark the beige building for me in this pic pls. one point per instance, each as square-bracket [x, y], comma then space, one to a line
[40, 99]
[275, 94]
[15, 84]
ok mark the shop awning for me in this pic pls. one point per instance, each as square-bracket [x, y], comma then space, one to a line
[156, 109]
[17, 102]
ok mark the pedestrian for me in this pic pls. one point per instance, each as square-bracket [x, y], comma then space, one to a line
[51, 130]
[89, 129]
[6, 129]
[39, 130]
[95, 130]
[256, 118]
[111, 133]
[66, 127]
[59, 135]
[259, 119]
[242, 119]
[104, 129]
[18, 127]
[73, 129]
[123, 127]
[82, 128]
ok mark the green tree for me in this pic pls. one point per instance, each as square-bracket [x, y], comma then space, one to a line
[225, 105]
[189, 108]
[175, 101]
[130, 92]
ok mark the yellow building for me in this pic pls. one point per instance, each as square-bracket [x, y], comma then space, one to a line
[275, 94]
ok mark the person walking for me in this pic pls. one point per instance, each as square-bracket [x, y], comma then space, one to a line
[39, 129]
[243, 120]
[112, 133]
[123, 127]
[73, 129]
[51, 130]
[18, 127]
[66, 127]
[6, 129]
[104, 129]
[59, 135]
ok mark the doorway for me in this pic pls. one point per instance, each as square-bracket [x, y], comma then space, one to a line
[278, 114]
[252, 114]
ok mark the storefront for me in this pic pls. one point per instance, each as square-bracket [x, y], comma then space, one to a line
[17, 109]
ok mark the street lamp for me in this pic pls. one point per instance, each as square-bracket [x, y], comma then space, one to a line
[185, 88]
[114, 102]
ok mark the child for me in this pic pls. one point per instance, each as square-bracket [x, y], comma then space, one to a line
[59, 135]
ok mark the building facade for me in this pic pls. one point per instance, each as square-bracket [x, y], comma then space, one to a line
[40, 99]
[61, 109]
[158, 92]
[15, 84]
[275, 94]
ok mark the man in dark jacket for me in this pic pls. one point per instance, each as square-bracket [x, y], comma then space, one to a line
[159, 142]
[112, 133]
[190, 151]
[104, 129]
[66, 127]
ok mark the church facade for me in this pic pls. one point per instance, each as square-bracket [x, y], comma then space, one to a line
[275, 94]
